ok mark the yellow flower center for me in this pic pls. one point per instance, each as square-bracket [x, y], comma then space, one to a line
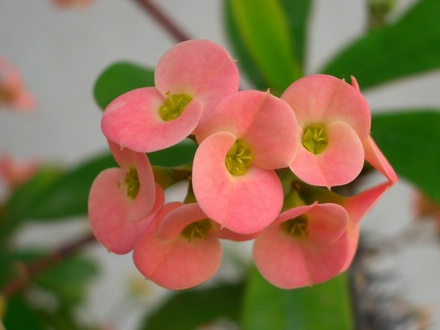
[197, 229]
[132, 183]
[296, 227]
[315, 138]
[173, 106]
[239, 158]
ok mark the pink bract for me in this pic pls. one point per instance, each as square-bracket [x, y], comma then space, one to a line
[325, 100]
[165, 256]
[12, 90]
[248, 202]
[289, 261]
[117, 215]
[193, 76]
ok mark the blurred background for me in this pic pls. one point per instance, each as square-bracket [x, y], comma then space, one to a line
[61, 51]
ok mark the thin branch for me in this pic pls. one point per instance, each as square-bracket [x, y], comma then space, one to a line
[30, 270]
[165, 21]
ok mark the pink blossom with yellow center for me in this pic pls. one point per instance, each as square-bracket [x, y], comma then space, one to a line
[334, 120]
[190, 80]
[122, 201]
[305, 245]
[180, 248]
[245, 138]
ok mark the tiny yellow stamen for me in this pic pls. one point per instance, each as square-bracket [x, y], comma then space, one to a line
[132, 183]
[315, 138]
[296, 227]
[239, 158]
[174, 106]
[197, 229]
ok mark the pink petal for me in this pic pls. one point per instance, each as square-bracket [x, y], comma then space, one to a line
[374, 156]
[116, 220]
[264, 121]
[320, 99]
[132, 120]
[175, 263]
[244, 204]
[291, 262]
[340, 163]
[199, 68]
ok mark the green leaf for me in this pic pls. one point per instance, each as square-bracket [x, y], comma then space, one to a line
[264, 31]
[179, 154]
[119, 78]
[411, 142]
[322, 306]
[69, 279]
[68, 196]
[19, 315]
[188, 310]
[25, 199]
[407, 47]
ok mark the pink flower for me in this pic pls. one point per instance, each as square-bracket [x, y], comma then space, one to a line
[12, 91]
[14, 173]
[72, 3]
[305, 245]
[244, 139]
[334, 120]
[180, 248]
[191, 79]
[123, 200]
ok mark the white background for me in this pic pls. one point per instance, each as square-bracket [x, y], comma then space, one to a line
[60, 54]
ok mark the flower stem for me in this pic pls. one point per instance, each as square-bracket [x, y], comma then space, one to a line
[165, 21]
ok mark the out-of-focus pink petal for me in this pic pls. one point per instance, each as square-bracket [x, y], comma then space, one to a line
[264, 121]
[290, 262]
[340, 163]
[374, 156]
[175, 263]
[322, 98]
[200, 68]
[111, 211]
[13, 172]
[244, 204]
[132, 120]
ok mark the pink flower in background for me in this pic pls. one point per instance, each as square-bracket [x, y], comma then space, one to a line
[14, 172]
[72, 3]
[245, 138]
[123, 200]
[180, 248]
[305, 245]
[334, 120]
[12, 91]
[190, 80]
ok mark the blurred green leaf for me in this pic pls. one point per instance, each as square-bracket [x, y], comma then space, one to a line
[69, 279]
[409, 46]
[263, 29]
[19, 315]
[188, 310]
[322, 306]
[411, 142]
[179, 154]
[119, 78]
[25, 199]
[68, 196]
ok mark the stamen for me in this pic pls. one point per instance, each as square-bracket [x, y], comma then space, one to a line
[132, 183]
[315, 138]
[174, 106]
[239, 158]
[197, 229]
[296, 227]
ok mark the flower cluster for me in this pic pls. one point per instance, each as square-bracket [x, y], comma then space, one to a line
[263, 170]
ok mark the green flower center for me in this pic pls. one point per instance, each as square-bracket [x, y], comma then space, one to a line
[174, 106]
[132, 183]
[197, 229]
[315, 138]
[239, 158]
[296, 227]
